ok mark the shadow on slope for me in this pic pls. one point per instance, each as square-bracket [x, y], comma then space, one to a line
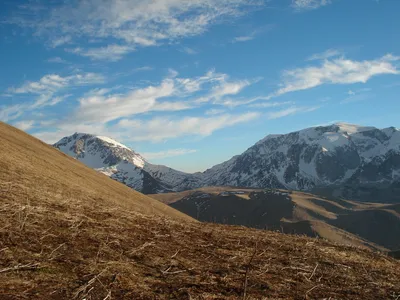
[235, 210]
[355, 223]
[381, 227]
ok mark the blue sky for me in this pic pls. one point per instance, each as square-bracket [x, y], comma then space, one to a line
[190, 83]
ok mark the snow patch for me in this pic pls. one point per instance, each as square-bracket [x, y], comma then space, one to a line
[112, 142]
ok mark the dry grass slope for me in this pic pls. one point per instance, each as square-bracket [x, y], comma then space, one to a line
[70, 233]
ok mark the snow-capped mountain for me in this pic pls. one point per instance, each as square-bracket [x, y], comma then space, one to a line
[339, 155]
[325, 156]
[120, 163]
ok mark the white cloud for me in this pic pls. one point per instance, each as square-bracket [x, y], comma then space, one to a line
[290, 111]
[214, 111]
[191, 85]
[309, 4]
[350, 92]
[96, 108]
[336, 71]
[47, 89]
[225, 87]
[325, 55]
[12, 112]
[253, 34]
[243, 38]
[154, 130]
[356, 98]
[53, 82]
[167, 153]
[109, 53]
[132, 22]
[189, 51]
[357, 95]
[159, 129]
[270, 104]
[24, 125]
[230, 102]
[59, 41]
[57, 60]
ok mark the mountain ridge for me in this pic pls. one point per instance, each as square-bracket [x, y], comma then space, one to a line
[340, 154]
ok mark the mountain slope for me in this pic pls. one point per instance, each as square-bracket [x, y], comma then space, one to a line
[29, 165]
[120, 163]
[68, 232]
[325, 156]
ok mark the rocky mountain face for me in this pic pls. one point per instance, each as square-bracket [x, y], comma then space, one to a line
[343, 160]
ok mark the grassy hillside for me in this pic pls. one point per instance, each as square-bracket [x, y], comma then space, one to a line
[32, 170]
[68, 232]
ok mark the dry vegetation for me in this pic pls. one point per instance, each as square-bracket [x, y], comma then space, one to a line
[70, 233]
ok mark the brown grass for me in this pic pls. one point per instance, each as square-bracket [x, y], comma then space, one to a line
[72, 238]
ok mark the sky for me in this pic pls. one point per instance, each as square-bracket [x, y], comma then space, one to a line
[191, 83]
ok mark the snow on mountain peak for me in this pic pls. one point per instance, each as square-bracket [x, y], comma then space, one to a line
[112, 142]
[352, 128]
[98, 151]
[119, 162]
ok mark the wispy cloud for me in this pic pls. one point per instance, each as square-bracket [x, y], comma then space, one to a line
[157, 129]
[24, 125]
[57, 60]
[47, 90]
[189, 51]
[325, 55]
[109, 53]
[309, 4]
[160, 129]
[270, 104]
[214, 111]
[11, 112]
[59, 41]
[52, 83]
[224, 88]
[135, 23]
[336, 71]
[252, 34]
[167, 153]
[357, 95]
[157, 97]
[290, 111]
[91, 108]
[243, 38]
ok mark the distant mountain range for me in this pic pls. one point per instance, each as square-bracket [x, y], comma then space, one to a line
[342, 160]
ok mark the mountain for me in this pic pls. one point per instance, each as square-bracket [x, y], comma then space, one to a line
[68, 232]
[120, 163]
[344, 159]
[341, 160]
[360, 224]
